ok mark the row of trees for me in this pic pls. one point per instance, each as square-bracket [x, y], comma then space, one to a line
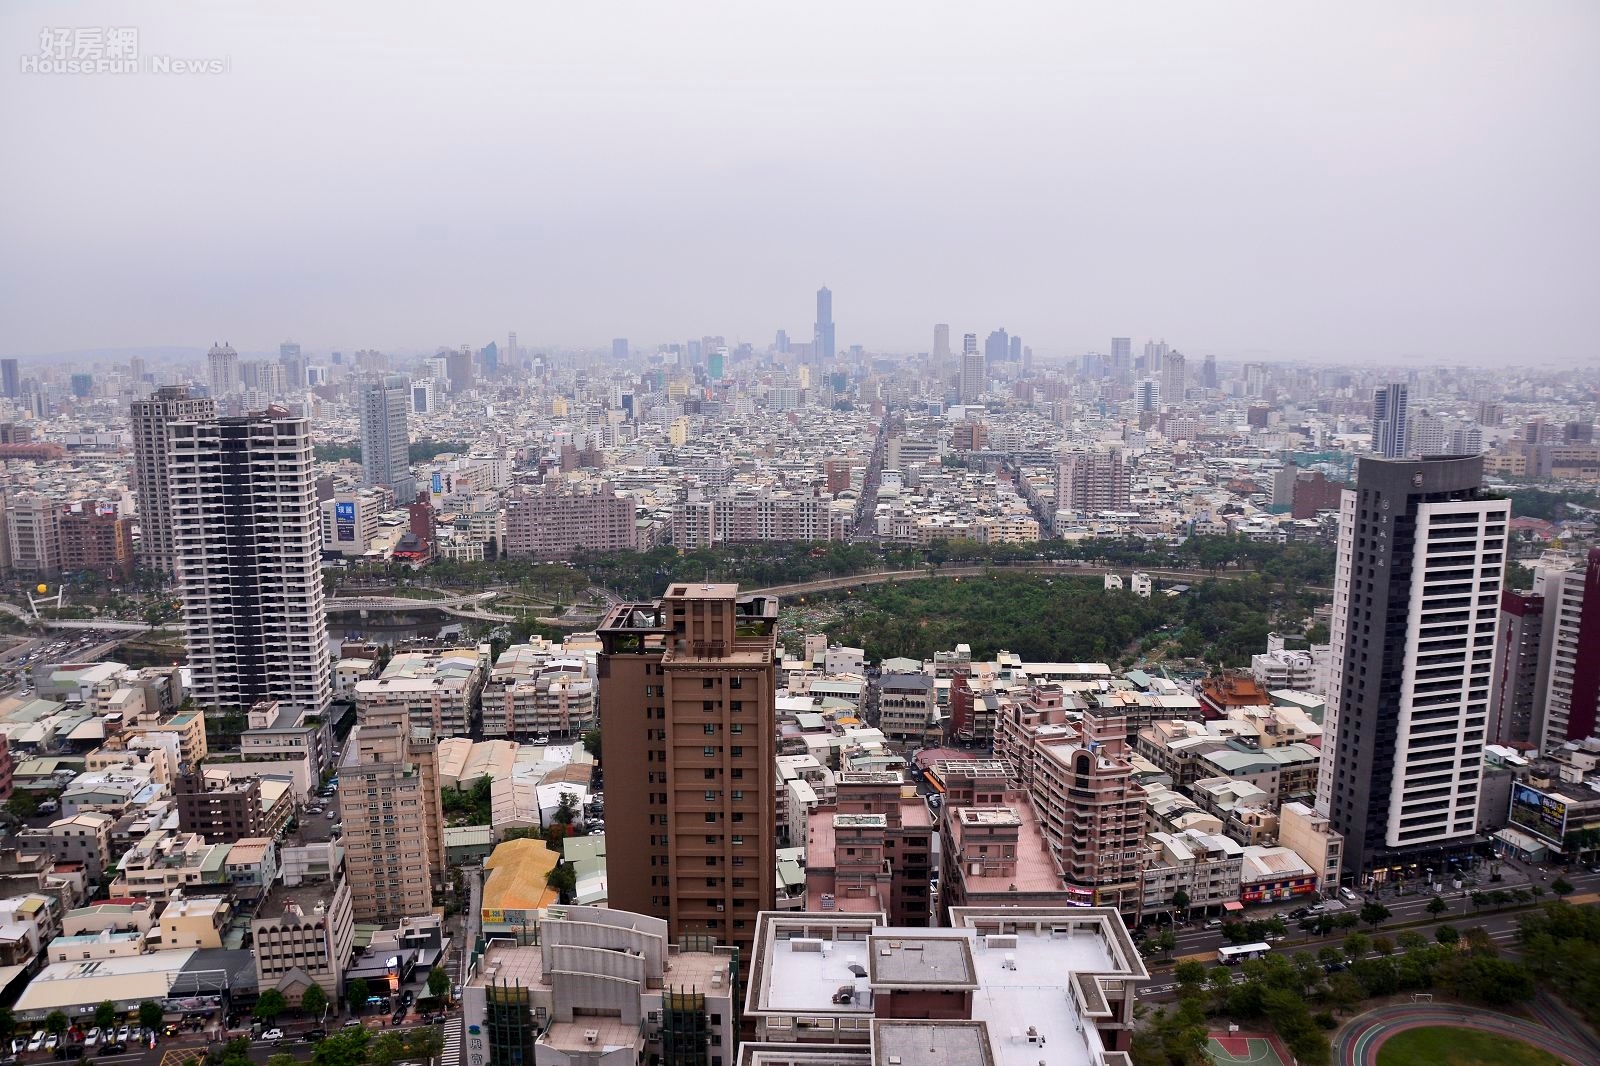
[348, 1047]
[1561, 944]
[1280, 989]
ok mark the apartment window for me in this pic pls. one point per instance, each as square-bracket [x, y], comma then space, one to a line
[737, 751]
[738, 841]
[737, 794]
[710, 729]
[711, 797]
[736, 682]
[706, 682]
[710, 752]
[737, 728]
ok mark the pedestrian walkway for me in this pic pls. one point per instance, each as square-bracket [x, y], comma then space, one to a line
[452, 1042]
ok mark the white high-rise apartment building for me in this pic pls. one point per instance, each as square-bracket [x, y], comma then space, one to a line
[385, 439]
[974, 374]
[149, 420]
[247, 534]
[222, 370]
[1415, 607]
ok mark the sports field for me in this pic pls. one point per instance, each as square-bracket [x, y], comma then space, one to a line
[1238, 1049]
[1443, 1045]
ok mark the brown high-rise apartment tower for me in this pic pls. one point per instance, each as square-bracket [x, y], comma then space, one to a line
[687, 687]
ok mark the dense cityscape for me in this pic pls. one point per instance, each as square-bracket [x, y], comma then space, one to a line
[1133, 666]
[725, 534]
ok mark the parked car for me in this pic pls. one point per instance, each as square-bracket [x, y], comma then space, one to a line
[314, 1035]
[272, 1034]
[351, 1023]
[92, 1037]
[51, 1041]
[38, 1040]
[113, 1049]
[122, 1034]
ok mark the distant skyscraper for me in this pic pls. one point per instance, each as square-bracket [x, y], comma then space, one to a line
[997, 348]
[1208, 373]
[1173, 379]
[1389, 421]
[1122, 358]
[823, 337]
[82, 385]
[294, 366]
[222, 371]
[385, 436]
[782, 342]
[1155, 358]
[619, 349]
[149, 421]
[1416, 595]
[1015, 354]
[974, 374]
[489, 357]
[10, 378]
[940, 356]
[247, 532]
[1147, 394]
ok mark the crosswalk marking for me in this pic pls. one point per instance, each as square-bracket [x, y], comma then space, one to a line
[452, 1043]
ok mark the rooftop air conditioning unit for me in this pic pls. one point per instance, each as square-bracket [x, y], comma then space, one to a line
[591, 1036]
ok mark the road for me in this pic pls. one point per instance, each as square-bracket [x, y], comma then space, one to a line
[881, 577]
[1201, 944]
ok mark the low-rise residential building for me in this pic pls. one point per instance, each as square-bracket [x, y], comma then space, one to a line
[434, 690]
[220, 809]
[1204, 867]
[165, 861]
[906, 706]
[83, 839]
[1312, 837]
[873, 850]
[1275, 875]
[196, 922]
[537, 689]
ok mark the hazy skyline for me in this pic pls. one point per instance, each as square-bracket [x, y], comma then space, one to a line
[1366, 181]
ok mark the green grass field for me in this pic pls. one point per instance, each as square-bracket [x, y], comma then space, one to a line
[1443, 1045]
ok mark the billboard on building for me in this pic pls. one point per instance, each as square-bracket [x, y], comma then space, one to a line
[344, 512]
[1539, 813]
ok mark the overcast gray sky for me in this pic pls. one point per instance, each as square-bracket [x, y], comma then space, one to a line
[1351, 180]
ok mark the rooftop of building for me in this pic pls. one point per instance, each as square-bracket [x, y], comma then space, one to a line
[1033, 973]
[306, 901]
[931, 1043]
[519, 872]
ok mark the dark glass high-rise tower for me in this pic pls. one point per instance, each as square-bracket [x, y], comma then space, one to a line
[823, 337]
[1416, 600]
